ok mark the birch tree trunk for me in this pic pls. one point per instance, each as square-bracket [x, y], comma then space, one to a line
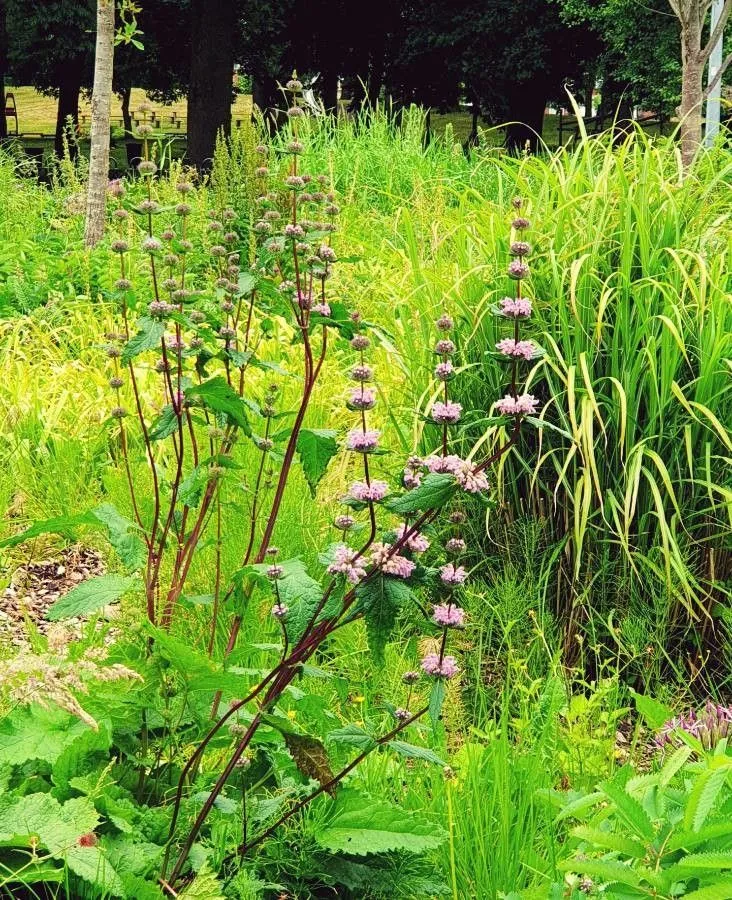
[692, 14]
[100, 124]
[692, 72]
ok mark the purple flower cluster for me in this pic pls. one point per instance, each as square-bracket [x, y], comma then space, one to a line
[708, 725]
[347, 562]
[516, 307]
[519, 349]
[526, 404]
[362, 441]
[445, 667]
[384, 558]
[447, 412]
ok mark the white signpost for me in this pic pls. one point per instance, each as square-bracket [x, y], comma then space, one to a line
[715, 95]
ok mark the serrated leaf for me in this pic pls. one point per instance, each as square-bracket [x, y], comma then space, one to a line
[433, 493]
[353, 735]
[690, 839]
[316, 448]
[703, 796]
[609, 840]
[361, 825]
[602, 870]
[311, 758]
[707, 861]
[720, 890]
[165, 424]
[437, 698]
[90, 596]
[55, 826]
[217, 395]
[37, 733]
[56, 525]
[91, 864]
[414, 752]
[149, 336]
[629, 809]
[653, 711]
[301, 594]
[123, 537]
[380, 599]
[205, 886]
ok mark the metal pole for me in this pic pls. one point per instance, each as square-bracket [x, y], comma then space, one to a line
[715, 62]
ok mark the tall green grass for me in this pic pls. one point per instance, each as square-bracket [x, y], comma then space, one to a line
[630, 469]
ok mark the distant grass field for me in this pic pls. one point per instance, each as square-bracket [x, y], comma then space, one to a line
[37, 112]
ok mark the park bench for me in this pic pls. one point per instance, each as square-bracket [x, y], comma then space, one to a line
[11, 111]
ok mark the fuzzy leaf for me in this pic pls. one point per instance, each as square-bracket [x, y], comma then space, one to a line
[41, 816]
[311, 758]
[412, 751]
[122, 536]
[148, 337]
[629, 809]
[707, 861]
[165, 424]
[360, 826]
[653, 711]
[36, 733]
[609, 840]
[91, 864]
[205, 886]
[602, 870]
[316, 448]
[380, 599]
[90, 596]
[217, 395]
[301, 594]
[437, 697]
[433, 493]
[353, 735]
[57, 525]
[720, 890]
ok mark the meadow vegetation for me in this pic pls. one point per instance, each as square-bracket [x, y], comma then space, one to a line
[581, 748]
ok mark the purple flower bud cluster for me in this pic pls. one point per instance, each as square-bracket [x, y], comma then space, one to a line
[526, 404]
[708, 726]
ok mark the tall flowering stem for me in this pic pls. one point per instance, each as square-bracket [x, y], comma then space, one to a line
[396, 558]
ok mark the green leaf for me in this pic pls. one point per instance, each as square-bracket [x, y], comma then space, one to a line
[41, 816]
[380, 599]
[353, 735]
[36, 733]
[57, 525]
[720, 890]
[707, 861]
[361, 825]
[433, 493]
[609, 840]
[205, 886]
[629, 809]
[301, 594]
[165, 424]
[703, 796]
[90, 596]
[218, 395]
[122, 534]
[148, 337]
[91, 864]
[247, 282]
[437, 697]
[653, 711]
[414, 752]
[689, 839]
[602, 870]
[316, 448]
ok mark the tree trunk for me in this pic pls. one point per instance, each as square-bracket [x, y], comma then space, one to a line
[3, 69]
[125, 96]
[68, 107]
[526, 117]
[692, 72]
[101, 105]
[212, 64]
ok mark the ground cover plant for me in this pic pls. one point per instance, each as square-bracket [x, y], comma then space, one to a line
[597, 560]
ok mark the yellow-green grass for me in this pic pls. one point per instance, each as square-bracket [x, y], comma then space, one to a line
[37, 112]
